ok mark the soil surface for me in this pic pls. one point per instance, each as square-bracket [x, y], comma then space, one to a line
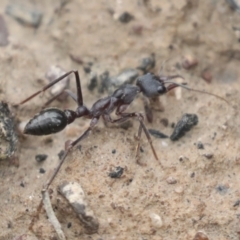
[196, 190]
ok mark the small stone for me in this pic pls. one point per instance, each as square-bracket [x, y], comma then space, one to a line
[60, 154]
[179, 189]
[22, 184]
[200, 145]
[164, 122]
[185, 124]
[157, 133]
[41, 157]
[127, 76]
[69, 225]
[200, 236]
[52, 74]
[117, 173]
[222, 189]
[237, 203]
[147, 64]
[41, 170]
[26, 16]
[75, 195]
[113, 151]
[156, 220]
[208, 155]
[171, 180]
[125, 17]
[104, 82]
[92, 82]
[207, 76]
[189, 62]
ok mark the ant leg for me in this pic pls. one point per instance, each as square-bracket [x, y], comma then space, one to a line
[69, 148]
[148, 110]
[139, 116]
[78, 84]
[70, 93]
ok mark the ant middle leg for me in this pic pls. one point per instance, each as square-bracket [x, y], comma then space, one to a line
[124, 117]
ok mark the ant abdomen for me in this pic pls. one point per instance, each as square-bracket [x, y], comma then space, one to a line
[48, 121]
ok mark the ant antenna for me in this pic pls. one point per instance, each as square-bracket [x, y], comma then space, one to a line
[183, 85]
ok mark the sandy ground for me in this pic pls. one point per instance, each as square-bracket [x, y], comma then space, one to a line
[192, 192]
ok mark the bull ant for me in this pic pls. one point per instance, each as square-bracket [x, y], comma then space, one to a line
[53, 120]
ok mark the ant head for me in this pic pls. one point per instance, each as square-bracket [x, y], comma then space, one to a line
[150, 86]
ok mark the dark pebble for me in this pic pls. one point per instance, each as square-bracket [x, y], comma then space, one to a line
[164, 122]
[185, 124]
[104, 82]
[41, 170]
[92, 82]
[208, 155]
[24, 15]
[41, 157]
[125, 17]
[117, 173]
[60, 154]
[222, 189]
[147, 64]
[69, 225]
[113, 151]
[157, 133]
[22, 184]
[192, 175]
[237, 203]
[200, 145]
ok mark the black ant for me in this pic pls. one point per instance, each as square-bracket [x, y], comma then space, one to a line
[53, 120]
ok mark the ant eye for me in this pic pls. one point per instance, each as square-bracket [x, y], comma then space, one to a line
[161, 89]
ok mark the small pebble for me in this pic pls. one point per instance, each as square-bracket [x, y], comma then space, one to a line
[237, 203]
[53, 73]
[189, 62]
[208, 155]
[147, 64]
[60, 154]
[92, 82]
[113, 151]
[41, 170]
[200, 236]
[157, 133]
[104, 82]
[192, 175]
[125, 17]
[69, 225]
[164, 122]
[41, 157]
[200, 145]
[185, 124]
[156, 220]
[179, 189]
[207, 76]
[22, 184]
[24, 15]
[76, 59]
[171, 180]
[117, 173]
[222, 189]
[75, 196]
